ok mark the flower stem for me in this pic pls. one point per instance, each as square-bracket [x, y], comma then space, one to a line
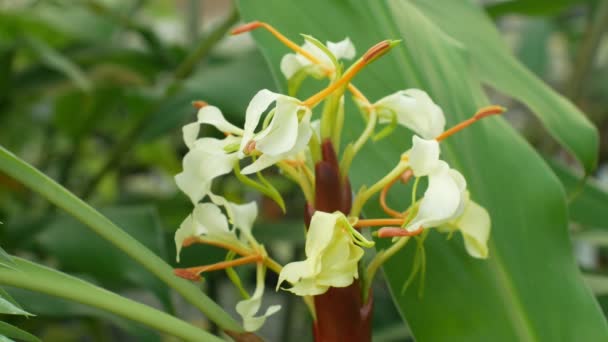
[364, 195]
[380, 259]
[350, 153]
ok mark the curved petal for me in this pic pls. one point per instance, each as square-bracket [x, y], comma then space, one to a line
[210, 220]
[243, 215]
[190, 133]
[261, 163]
[258, 105]
[441, 200]
[320, 232]
[343, 49]
[475, 225]
[415, 110]
[211, 115]
[290, 65]
[186, 229]
[248, 308]
[424, 156]
[281, 134]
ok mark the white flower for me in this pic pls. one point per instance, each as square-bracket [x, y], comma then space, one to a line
[248, 308]
[474, 224]
[331, 257]
[207, 221]
[294, 62]
[209, 115]
[206, 160]
[287, 133]
[414, 109]
[444, 197]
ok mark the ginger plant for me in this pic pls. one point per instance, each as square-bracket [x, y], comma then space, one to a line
[289, 133]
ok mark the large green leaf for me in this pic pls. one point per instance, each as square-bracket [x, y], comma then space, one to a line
[10, 331]
[530, 284]
[487, 51]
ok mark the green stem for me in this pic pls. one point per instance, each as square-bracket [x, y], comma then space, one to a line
[182, 71]
[300, 179]
[33, 277]
[58, 195]
[351, 152]
[364, 195]
[379, 260]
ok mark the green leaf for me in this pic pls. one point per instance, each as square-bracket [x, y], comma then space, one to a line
[9, 308]
[56, 194]
[13, 332]
[66, 239]
[563, 120]
[5, 259]
[530, 280]
[535, 8]
[31, 276]
[588, 201]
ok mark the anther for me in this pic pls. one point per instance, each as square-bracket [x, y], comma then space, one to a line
[249, 147]
[388, 232]
[482, 113]
[199, 104]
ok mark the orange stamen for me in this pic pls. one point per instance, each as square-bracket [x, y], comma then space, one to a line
[371, 54]
[405, 177]
[199, 104]
[193, 273]
[295, 47]
[193, 240]
[482, 113]
[387, 232]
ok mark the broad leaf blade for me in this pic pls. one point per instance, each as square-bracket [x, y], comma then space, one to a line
[531, 282]
[497, 67]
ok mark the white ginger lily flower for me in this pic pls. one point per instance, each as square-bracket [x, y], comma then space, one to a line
[248, 308]
[331, 257]
[414, 109]
[444, 198]
[208, 222]
[474, 224]
[294, 62]
[287, 133]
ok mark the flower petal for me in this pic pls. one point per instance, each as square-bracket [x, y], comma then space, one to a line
[424, 156]
[248, 308]
[343, 49]
[281, 133]
[211, 115]
[290, 65]
[258, 105]
[415, 110]
[206, 219]
[475, 224]
[441, 200]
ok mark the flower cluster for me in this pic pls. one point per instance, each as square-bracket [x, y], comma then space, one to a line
[279, 131]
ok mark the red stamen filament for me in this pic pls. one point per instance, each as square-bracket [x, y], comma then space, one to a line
[482, 113]
[199, 104]
[405, 177]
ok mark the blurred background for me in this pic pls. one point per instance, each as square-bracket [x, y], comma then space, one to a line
[94, 93]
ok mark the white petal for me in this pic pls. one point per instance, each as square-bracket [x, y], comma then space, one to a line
[320, 232]
[290, 65]
[415, 110]
[441, 199]
[318, 53]
[281, 133]
[474, 224]
[243, 215]
[211, 115]
[210, 220]
[258, 105]
[424, 156]
[190, 133]
[343, 49]
[261, 163]
[186, 229]
[248, 308]
[204, 162]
